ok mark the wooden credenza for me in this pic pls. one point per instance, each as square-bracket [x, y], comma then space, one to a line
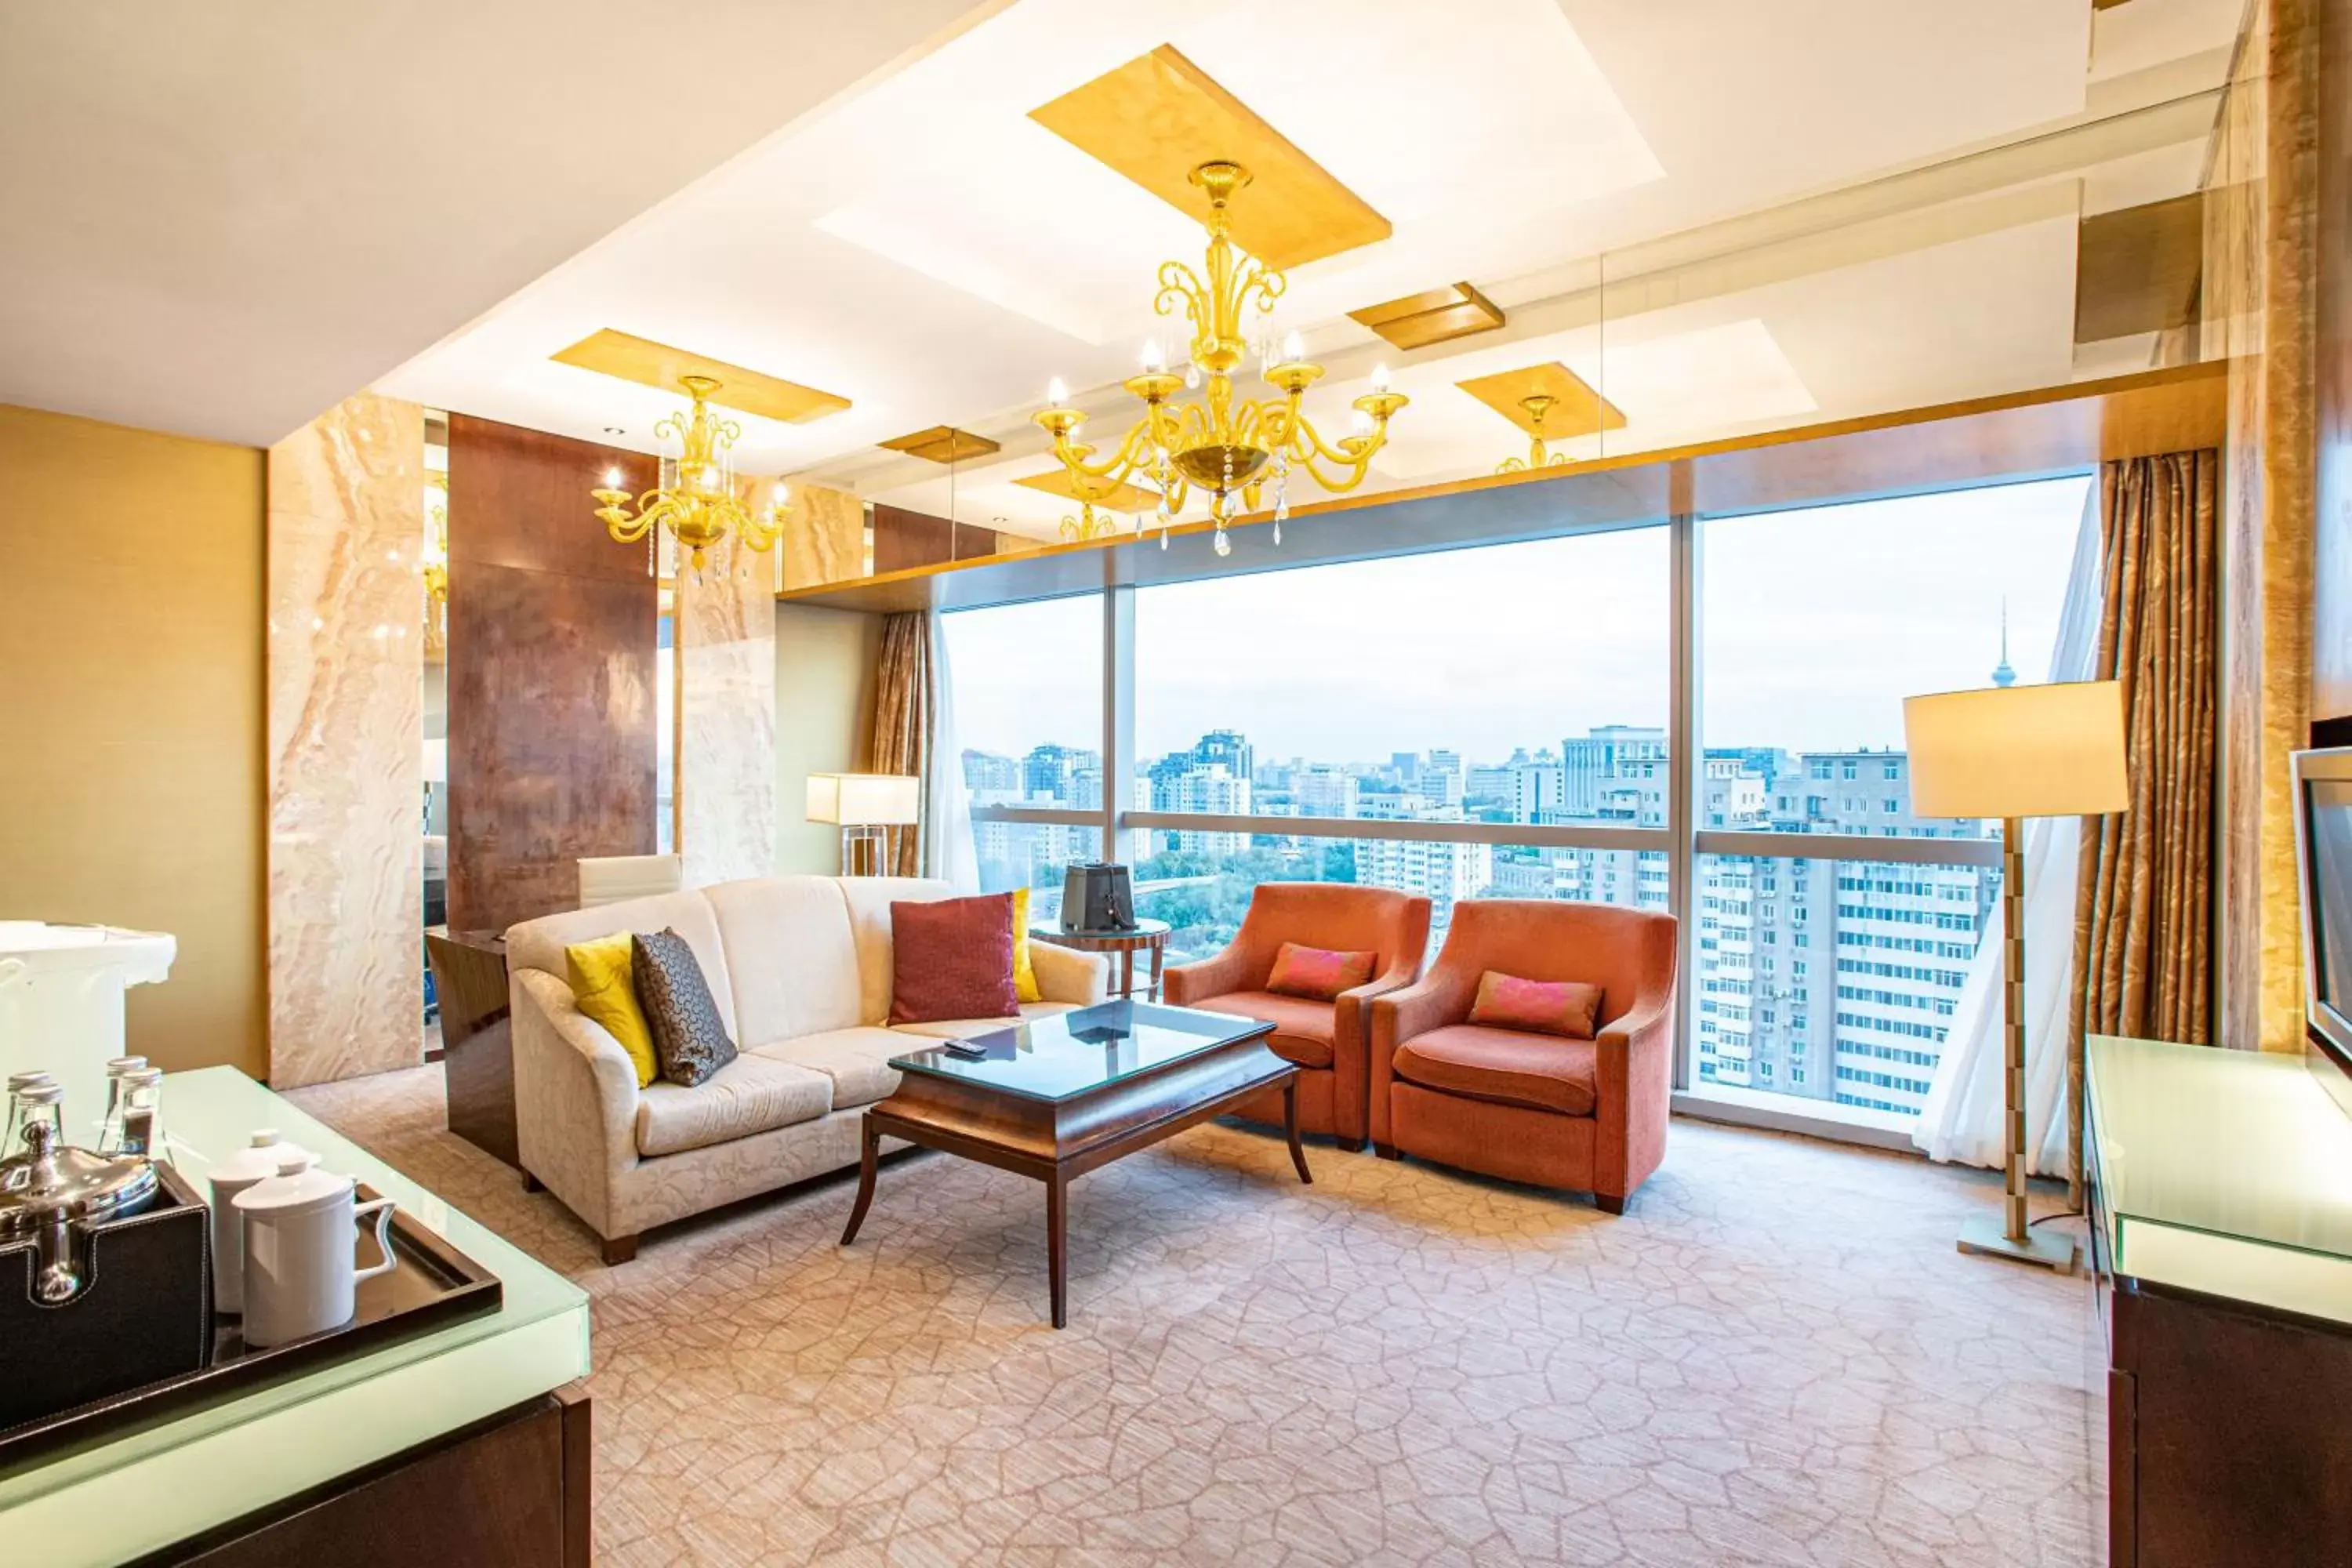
[2222, 1250]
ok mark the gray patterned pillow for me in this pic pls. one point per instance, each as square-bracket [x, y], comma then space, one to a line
[689, 1039]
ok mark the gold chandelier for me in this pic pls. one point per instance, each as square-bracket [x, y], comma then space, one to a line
[1539, 453]
[1229, 446]
[436, 557]
[696, 499]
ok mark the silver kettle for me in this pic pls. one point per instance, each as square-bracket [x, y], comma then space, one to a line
[48, 1184]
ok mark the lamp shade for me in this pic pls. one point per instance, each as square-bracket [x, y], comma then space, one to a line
[863, 800]
[2018, 751]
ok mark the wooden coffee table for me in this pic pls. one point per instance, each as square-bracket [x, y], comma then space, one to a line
[1056, 1096]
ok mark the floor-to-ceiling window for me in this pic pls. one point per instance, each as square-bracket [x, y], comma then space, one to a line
[1026, 682]
[1455, 708]
[1504, 721]
[1822, 973]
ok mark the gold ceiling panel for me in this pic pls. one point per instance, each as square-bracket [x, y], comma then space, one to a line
[942, 443]
[650, 363]
[1432, 316]
[1124, 498]
[1159, 117]
[1576, 409]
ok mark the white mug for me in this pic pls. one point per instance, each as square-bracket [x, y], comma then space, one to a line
[301, 1277]
[246, 1168]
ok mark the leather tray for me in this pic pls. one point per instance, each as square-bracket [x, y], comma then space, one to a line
[434, 1285]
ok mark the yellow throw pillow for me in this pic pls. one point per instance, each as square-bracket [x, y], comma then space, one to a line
[1024, 973]
[606, 992]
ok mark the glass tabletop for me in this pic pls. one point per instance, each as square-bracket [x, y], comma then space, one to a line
[1068, 1054]
[2224, 1172]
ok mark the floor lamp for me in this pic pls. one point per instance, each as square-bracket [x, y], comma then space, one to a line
[863, 806]
[2012, 752]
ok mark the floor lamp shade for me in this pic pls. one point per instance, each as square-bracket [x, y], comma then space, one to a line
[2015, 752]
[863, 800]
[2018, 751]
[864, 805]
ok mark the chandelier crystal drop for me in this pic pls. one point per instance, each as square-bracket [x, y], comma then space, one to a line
[1221, 443]
[696, 500]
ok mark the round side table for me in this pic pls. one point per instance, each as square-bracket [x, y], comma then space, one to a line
[1145, 936]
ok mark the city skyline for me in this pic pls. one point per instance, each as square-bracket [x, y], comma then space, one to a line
[1349, 664]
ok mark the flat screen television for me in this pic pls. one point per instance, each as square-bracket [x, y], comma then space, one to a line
[2323, 836]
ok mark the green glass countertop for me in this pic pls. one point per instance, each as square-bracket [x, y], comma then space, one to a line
[2227, 1172]
[152, 1487]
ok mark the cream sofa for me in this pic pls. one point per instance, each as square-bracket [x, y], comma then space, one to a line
[800, 967]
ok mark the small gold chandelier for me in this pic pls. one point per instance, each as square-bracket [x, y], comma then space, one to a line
[1539, 454]
[434, 560]
[1089, 524]
[696, 499]
[1227, 447]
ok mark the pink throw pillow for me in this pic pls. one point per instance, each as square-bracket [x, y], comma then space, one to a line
[1315, 973]
[1567, 1007]
[952, 958]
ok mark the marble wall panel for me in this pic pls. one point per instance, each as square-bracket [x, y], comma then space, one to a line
[345, 772]
[725, 634]
[824, 539]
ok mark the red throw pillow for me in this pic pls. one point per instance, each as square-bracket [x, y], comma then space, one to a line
[1567, 1007]
[1315, 973]
[952, 958]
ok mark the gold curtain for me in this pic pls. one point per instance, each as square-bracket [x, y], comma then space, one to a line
[2144, 890]
[902, 727]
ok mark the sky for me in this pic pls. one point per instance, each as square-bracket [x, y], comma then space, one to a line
[1814, 625]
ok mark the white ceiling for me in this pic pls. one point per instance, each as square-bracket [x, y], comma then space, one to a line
[220, 217]
[926, 251]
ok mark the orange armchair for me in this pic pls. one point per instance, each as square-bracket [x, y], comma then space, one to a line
[1329, 1040]
[1585, 1115]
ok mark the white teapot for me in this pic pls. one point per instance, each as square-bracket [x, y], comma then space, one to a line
[300, 1274]
[246, 1169]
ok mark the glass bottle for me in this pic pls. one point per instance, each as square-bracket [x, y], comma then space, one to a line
[134, 1116]
[11, 1141]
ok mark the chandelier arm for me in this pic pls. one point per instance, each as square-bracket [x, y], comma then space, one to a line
[1110, 470]
[1308, 444]
[1358, 465]
[1178, 283]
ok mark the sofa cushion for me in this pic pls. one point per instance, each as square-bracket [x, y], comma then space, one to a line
[1317, 974]
[869, 899]
[1568, 1007]
[964, 1028]
[690, 1036]
[751, 1094]
[789, 953]
[1302, 1029]
[540, 944]
[952, 958]
[603, 989]
[857, 1060]
[1512, 1067]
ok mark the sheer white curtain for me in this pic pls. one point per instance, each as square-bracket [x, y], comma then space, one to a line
[947, 847]
[1963, 1116]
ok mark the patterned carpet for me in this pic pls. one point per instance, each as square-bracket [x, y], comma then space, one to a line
[1776, 1357]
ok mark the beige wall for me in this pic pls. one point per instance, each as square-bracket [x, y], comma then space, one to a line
[130, 648]
[824, 713]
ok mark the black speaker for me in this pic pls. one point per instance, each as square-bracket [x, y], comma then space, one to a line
[1098, 896]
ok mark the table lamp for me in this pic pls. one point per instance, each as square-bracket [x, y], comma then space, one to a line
[2017, 751]
[863, 804]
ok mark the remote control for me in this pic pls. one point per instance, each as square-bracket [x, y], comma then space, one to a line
[965, 1049]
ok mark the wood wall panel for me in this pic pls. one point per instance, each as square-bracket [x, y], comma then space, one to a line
[2259, 286]
[904, 539]
[2331, 671]
[551, 668]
